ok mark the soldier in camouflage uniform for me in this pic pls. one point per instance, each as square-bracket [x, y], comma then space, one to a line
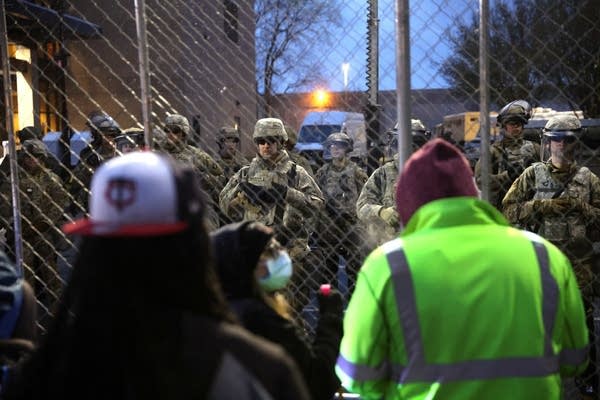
[560, 200]
[43, 201]
[510, 155]
[177, 129]
[230, 159]
[376, 204]
[292, 139]
[279, 193]
[339, 233]
[103, 130]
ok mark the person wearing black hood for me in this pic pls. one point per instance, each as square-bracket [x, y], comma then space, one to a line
[253, 267]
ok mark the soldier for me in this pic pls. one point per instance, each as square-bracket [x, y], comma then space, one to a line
[290, 143]
[341, 181]
[132, 139]
[43, 201]
[279, 193]
[560, 200]
[177, 130]
[230, 159]
[420, 135]
[376, 205]
[510, 155]
[103, 129]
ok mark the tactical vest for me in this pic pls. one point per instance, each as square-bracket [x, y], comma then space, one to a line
[340, 186]
[520, 156]
[560, 229]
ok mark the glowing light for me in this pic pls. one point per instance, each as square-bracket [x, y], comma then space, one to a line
[321, 98]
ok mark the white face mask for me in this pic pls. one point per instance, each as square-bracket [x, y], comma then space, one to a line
[279, 272]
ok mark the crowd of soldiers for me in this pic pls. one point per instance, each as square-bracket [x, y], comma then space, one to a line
[335, 214]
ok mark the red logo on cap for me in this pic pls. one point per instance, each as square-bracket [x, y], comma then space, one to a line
[120, 193]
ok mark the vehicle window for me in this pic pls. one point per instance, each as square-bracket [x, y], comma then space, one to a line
[316, 133]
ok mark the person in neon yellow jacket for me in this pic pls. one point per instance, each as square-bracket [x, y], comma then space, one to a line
[461, 305]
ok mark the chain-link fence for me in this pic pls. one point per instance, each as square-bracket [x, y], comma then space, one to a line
[77, 80]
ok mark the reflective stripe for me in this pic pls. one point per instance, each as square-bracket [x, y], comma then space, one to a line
[574, 357]
[418, 370]
[364, 372]
[549, 293]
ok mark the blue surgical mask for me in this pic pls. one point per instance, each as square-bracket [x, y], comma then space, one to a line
[279, 272]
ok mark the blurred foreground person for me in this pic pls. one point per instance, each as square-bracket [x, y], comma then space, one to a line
[142, 316]
[461, 305]
[254, 268]
[18, 332]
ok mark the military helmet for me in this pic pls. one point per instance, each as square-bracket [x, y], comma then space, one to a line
[99, 121]
[340, 138]
[35, 148]
[177, 121]
[292, 136]
[562, 125]
[269, 127]
[516, 111]
[228, 132]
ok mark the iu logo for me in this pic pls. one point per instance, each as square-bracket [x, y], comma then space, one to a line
[120, 193]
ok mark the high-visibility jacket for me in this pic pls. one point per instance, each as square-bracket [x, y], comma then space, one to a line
[462, 306]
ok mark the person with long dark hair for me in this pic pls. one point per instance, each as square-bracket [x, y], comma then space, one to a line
[143, 315]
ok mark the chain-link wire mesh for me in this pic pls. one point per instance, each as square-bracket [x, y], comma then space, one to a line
[74, 68]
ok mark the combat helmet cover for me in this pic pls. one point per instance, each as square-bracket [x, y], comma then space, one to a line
[516, 111]
[179, 121]
[340, 137]
[269, 127]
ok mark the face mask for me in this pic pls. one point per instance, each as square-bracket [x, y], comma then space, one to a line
[279, 272]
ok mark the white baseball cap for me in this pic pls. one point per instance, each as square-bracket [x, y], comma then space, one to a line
[140, 194]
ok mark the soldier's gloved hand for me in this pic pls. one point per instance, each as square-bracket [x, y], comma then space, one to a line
[552, 206]
[583, 207]
[253, 192]
[330, 303]
[389, 216]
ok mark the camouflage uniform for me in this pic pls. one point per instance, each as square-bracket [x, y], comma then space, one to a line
[509, 157]
[294, 156]
[573, 224]
[285, 214]
[230, 163]
[379, 194]
[338, 229]
[211, 174]
[43, 201]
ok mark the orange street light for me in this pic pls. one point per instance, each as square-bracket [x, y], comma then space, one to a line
[321, 98]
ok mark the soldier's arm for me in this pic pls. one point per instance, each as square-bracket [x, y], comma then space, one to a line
[518, 203]
[498, 179]
[370, 200]
[360, 178]
[306, 196]
[58, 199]
[229, 196]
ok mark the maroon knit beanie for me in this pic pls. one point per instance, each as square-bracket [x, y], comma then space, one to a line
[435, 171]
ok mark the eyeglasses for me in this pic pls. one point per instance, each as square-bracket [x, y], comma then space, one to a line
[173, 129]
[566, 139]
[265, 140]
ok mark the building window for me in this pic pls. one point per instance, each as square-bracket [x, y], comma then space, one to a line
[231, 22]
